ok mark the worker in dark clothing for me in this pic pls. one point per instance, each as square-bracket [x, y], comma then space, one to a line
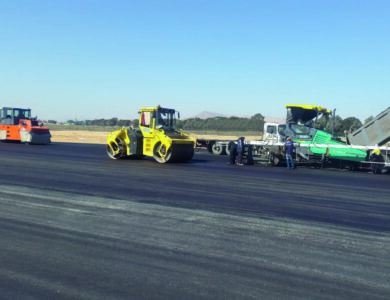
[233, 152]
[289, 149]
[240, 150]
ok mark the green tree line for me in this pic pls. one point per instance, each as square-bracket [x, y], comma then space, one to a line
[103, 122]
[337, 125]
[253, 123]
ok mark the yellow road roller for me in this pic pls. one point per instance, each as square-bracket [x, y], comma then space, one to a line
[155, 136]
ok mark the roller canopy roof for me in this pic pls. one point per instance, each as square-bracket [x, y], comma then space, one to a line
[157, 108]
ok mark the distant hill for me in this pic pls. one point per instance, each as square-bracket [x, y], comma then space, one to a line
[206, 115]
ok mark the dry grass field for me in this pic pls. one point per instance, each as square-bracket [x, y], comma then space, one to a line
[98, 137]
[79, 136]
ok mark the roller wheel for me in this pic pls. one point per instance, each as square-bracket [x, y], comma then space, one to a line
[178, 153]
[116, 149]
[160, 153]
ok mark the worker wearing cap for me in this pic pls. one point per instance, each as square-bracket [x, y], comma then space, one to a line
[289, 149]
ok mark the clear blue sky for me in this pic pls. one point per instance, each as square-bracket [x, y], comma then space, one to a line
[89, 59]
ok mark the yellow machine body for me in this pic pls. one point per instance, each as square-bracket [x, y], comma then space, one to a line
[155, 136]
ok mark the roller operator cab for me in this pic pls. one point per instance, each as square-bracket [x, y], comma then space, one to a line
[155, 136]
[17, 124]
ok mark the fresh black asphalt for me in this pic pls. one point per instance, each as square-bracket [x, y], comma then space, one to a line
[75, 224]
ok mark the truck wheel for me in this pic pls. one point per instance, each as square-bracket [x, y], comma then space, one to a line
[275, 160]
[227, 150]
[217, 149]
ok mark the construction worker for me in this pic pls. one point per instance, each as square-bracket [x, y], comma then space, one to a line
[289, 148]
[233, 152]
[240, 150]
[376, 158]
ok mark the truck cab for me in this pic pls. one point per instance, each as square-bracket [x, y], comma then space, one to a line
[274, 132]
